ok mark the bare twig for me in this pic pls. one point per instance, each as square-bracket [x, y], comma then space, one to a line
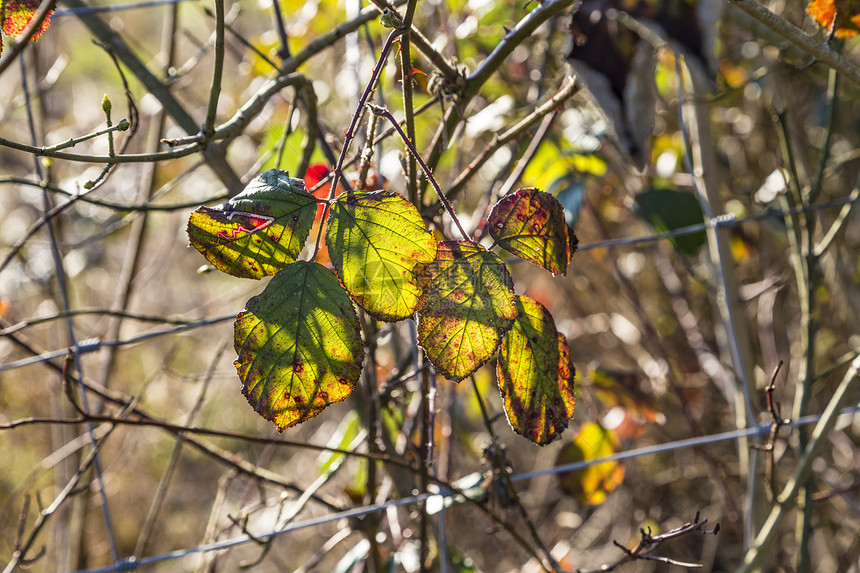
[648, 544]
[776, 423]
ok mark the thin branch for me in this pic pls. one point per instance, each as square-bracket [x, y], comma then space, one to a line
[215, 89]
[517, 130]
[776, 423]
[648, 544]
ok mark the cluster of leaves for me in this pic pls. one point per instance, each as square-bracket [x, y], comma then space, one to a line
[299, 342]
[16, 14]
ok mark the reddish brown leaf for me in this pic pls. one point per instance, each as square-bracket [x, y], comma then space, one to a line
[530, 224]
[17, 14]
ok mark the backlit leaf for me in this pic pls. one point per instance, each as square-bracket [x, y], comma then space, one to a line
[375, 241]
[842, 15]
[536, 375]
[590, 485]
[258, 232]
[468, 304]
[298, 344]
[15, 16]
[530, 224]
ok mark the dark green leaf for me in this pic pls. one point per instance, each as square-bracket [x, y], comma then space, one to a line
[670, 209]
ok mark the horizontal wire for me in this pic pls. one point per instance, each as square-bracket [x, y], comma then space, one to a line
[94, 344]
[719, 221]
[114, 7]
[131, 564]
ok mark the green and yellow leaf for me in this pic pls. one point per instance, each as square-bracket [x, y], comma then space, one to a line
[258, 232]
[590, 485]
[375, 242]
[298, 344]
[468, 304]
[536, 375]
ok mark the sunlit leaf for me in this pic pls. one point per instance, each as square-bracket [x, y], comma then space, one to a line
[258, 232]
[15, 16]
[298, 344]
[375, 241]
[468, 304]
[671, 209]
[536, 375]
[843, 16]
[530, 224]
[590, 485]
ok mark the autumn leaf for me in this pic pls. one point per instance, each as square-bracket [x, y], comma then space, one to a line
[376, 241]
[840, 15]
[17, 14]
[530, 224]
[467, 305]
[258, 232]
[591, 484]
[536, 375]
[299, 345]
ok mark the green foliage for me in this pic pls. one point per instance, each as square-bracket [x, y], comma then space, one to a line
[298, 344]
[536, 375]
[468, 305]
[375, 242]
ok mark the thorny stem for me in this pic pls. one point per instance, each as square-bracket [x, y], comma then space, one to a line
[474, 82]
[337, 174]
[379, 110]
